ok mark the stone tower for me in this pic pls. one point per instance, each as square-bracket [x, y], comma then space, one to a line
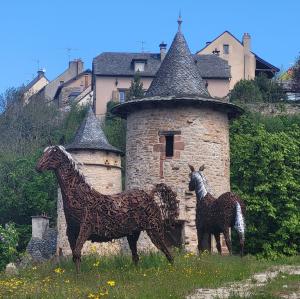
[177, 123]
[100, 163]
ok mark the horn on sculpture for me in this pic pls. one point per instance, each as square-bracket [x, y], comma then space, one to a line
[50, 142]
[192, 168]
[202, 167]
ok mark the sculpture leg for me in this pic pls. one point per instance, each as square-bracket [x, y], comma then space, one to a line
[218, 241]
[227, 239]
[242, 242]
[132, 240]
[157, 239]
[200, 237]
[84, 233]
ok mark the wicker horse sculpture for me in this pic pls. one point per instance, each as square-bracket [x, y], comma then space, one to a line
[216, 215]
[93, 216]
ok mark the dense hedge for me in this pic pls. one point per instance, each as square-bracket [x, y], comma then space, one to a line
[265, 172]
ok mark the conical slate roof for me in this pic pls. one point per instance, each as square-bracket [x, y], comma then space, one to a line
[91, 136]
[178, 74]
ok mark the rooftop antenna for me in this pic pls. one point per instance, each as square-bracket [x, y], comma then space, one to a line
[69, 50]
[142, 45]
[179, 21]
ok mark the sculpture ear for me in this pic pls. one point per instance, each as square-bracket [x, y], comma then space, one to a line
[202, 167]
[191, 168]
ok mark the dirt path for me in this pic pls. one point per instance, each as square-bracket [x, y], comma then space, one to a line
[244, 288]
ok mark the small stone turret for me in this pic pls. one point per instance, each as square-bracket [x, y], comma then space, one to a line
[100, 163]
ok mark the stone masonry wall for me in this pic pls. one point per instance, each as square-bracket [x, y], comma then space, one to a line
[201, 136]
[103, 171]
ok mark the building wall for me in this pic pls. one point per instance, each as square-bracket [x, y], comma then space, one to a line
[80, 84]
[35, 88]
[204, 139]
[105, 89]
[103, 171]
[75, 68]
[218, 88]
[238, 57]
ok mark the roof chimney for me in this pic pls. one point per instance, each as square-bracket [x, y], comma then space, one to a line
[247, 42]
[41, 73]
[39, 225]
[163, 50]
[76, 65]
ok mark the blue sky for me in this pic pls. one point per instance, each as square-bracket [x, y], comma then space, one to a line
[41, 30]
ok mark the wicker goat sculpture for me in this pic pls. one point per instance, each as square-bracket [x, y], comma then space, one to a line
[93, 216]
[216, 215]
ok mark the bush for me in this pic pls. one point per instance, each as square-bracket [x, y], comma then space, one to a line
[265, 170]
[261, 89]
[8, 244]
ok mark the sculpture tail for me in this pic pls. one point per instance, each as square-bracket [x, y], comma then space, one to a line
[168, 202]
[239, 221]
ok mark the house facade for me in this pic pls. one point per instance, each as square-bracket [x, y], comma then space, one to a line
[113, 73]
[244, 63]
[68, 91]
[74, 69]
[35, 85]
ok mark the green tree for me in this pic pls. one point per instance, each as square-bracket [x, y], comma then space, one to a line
[24, 132]
[136, 88]
[265, 169]
[246, 91]
[8, 244]
[296, 75]
[260, 89]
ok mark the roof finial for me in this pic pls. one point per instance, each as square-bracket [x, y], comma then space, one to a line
[179, 21]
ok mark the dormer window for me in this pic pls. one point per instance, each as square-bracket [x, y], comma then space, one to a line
[139, 66]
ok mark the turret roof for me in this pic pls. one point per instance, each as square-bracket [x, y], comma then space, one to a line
[91, 136]
[178, 74]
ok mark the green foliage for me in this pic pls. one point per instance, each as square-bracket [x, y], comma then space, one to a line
[265, 169]
[136, 88]
[8, 244]
[261, 89]
[296, 75]
[26, 131]
[115, 130]
[245, 91]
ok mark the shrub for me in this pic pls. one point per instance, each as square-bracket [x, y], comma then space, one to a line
[8, 244]
[265, 169]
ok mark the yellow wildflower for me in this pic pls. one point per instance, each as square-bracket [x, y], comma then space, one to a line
[91, 295]
[111, 283]
[59, 270]
[93, 249]
[96, 264]
[34, 268]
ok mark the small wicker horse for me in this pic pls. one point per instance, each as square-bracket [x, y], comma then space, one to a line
[216, 215]
[93, 216]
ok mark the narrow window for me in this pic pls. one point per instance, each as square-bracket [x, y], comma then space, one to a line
[169, 146]
[225, 49]
[122, 96]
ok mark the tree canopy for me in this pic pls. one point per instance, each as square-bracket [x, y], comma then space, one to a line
[260, 89]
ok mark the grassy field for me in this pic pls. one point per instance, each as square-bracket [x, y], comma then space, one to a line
[116, 277]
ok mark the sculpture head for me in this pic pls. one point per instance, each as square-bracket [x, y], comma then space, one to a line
[51, 159]
[193, 176]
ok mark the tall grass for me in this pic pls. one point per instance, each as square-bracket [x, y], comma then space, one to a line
[116, 277]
